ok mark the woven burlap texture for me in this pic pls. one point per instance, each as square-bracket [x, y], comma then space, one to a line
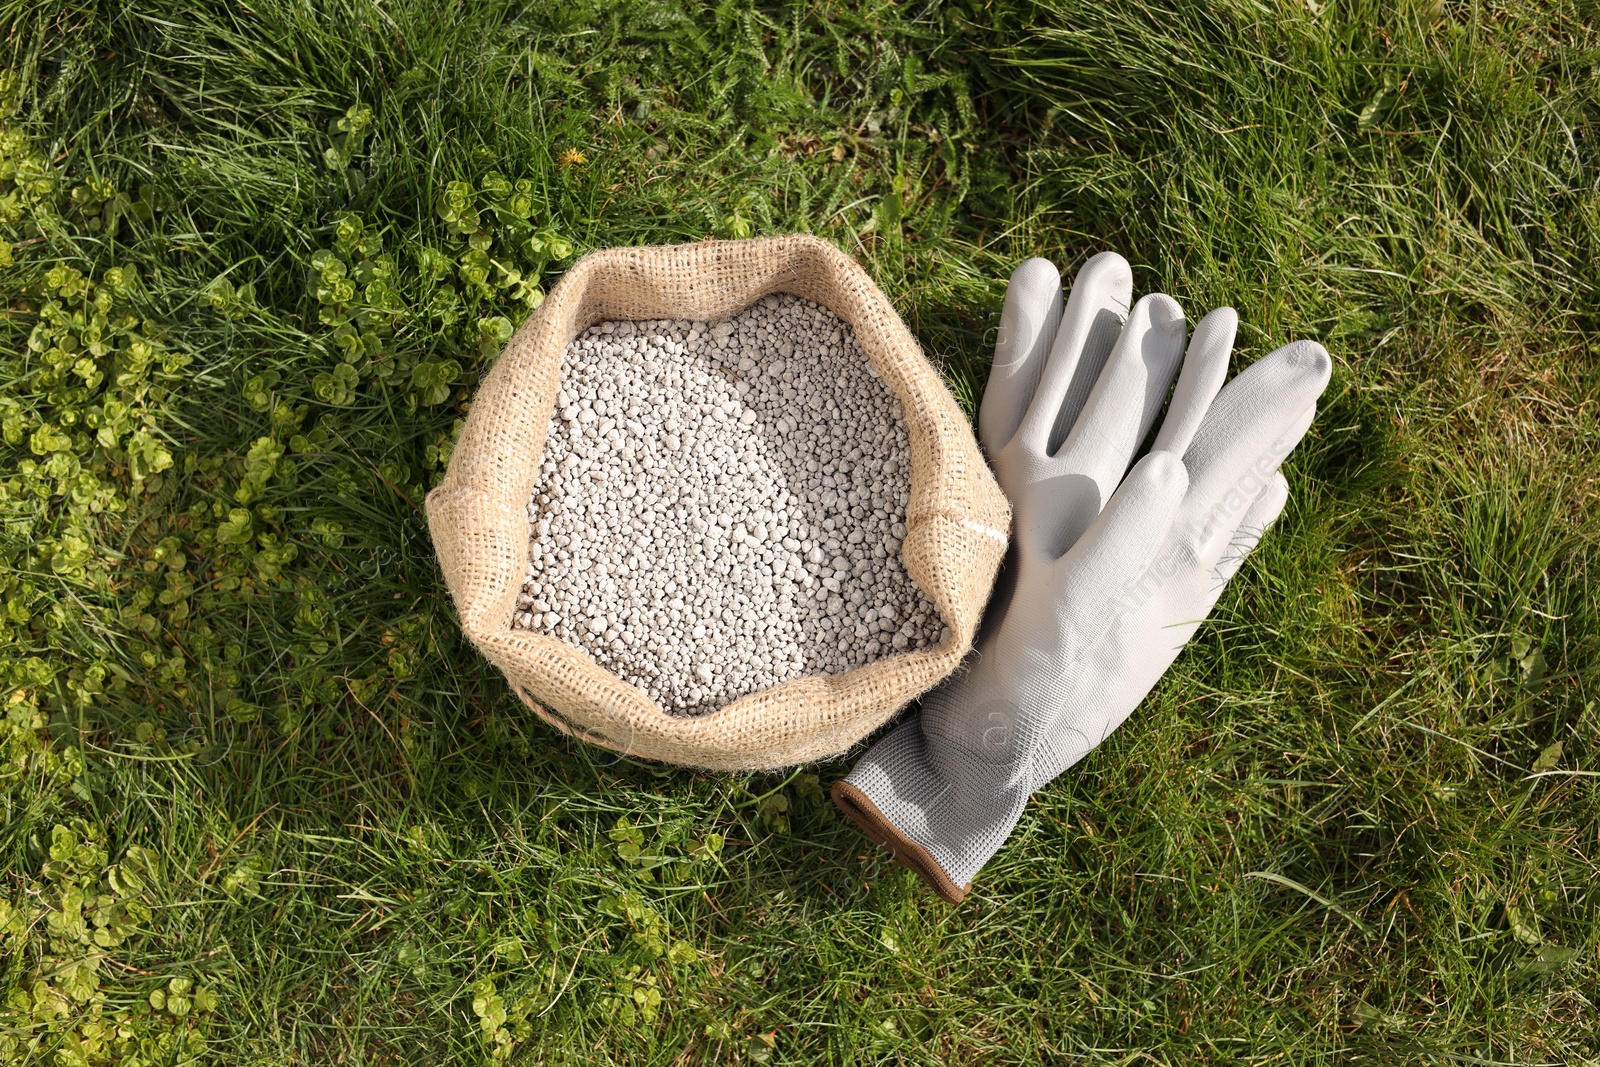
[957, 520]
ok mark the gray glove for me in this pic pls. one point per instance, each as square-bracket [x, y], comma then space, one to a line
[1111, 570]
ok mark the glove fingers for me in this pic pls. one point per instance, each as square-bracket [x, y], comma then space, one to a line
[1254, 422]
[1120, 544]
[1264, 511]
[1126, 399]
[1205, 368]
[1028, 324]
[1210, 540]
[1094, 314]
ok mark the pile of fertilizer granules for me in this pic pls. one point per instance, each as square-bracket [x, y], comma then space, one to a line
[720, 507]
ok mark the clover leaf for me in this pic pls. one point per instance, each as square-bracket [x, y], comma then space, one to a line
[349, 130]
[236, 529]
[336, 387]
[431, 380]
[329, 531]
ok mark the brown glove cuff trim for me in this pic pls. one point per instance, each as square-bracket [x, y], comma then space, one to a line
[865, 814]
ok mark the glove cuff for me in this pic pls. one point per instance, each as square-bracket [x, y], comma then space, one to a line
[860, 809]
[942, 819]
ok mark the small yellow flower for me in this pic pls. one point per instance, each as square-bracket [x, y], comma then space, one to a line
[571, 157]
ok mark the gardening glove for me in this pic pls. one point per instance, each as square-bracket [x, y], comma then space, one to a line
[1111, 570]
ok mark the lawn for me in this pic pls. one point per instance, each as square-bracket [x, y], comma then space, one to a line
[261, 804]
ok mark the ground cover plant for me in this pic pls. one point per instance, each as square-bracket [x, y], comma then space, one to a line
[259, 804]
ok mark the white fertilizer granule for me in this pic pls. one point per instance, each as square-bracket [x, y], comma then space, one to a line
[720, 507]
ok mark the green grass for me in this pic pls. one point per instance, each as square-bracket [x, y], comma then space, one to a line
[260, 804]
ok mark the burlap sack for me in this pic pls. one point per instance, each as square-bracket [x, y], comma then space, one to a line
[957, 520]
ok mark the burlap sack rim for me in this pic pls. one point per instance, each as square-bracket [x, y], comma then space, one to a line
[939, 660]
[694, 740]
